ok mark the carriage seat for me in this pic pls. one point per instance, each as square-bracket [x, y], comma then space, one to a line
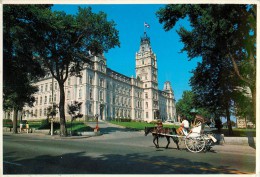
[195, 131]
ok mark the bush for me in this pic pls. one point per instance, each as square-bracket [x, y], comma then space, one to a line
[123, 119]
[7, 123]
[45, 124]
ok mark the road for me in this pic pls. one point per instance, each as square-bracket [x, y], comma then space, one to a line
[118, 151]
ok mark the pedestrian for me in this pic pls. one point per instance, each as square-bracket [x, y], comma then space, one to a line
[27, 126]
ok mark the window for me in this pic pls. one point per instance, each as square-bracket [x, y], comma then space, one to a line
[45, 100]
[54, 98]
[90, 108]
[146, 95]
[40, 112]
[50, 99]
[36, 113]
[40, 100]
[101, 96]
[68, 81]
[46, 87]
[68, 94]
[55, 86]
[41, 88]
[146, 104]
[90, 80]
[146, 114]
[36, 101]
[80, 93]
[50, 86]
[80, 80]
[90, 94]
[45, 112]
[101, 82]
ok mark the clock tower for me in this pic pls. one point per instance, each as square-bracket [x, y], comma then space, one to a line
[146, 71]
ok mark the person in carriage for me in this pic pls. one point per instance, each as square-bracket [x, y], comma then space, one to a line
[184, 128]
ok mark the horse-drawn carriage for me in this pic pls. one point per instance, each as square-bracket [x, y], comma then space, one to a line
[195, 141]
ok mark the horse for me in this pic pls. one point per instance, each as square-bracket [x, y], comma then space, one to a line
[161, 134]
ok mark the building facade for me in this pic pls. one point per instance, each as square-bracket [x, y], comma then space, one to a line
[110, 94]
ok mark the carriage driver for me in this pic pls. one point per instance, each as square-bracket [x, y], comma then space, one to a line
[159, 126]
[185, 125]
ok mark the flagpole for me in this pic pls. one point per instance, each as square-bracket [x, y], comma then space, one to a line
[144, 27]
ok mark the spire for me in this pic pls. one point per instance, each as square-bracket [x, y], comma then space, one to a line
[145, 39]
[145, 45]
[167, 87]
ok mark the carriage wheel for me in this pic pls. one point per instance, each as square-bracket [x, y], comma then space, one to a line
[195, 144]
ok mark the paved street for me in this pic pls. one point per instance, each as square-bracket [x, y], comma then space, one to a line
[117, 151]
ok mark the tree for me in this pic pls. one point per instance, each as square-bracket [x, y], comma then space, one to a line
[19, 68]
[224, 41]
[186, 104]
[74, 111]
[67, 42]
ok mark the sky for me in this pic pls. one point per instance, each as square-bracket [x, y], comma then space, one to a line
[173, 66]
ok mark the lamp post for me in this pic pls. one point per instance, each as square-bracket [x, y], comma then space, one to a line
[52, 106]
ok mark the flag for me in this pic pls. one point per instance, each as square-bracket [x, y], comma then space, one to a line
[146, 25]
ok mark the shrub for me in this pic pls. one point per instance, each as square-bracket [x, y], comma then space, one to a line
[45, 124]
[7, 123]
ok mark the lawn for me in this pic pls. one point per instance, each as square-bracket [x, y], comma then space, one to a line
[75, 126]
[138, 125]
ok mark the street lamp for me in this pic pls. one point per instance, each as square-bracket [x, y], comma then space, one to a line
[52, 82]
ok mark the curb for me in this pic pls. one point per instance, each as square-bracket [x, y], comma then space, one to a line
[247, 141]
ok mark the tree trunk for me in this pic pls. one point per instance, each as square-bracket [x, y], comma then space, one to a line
[229, 124]
[63, 129]
[15, 121]
[253, 91]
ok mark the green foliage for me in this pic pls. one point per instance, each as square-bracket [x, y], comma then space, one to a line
[67, 42]
[74, 110]
[122, 120]
[46, 124]
[52, 110]
[227, 44]
[186, 104]
[19, 68]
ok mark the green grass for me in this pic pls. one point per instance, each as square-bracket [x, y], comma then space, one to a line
[78, 126]
[137, 125]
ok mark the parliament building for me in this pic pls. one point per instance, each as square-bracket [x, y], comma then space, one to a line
[109, 94]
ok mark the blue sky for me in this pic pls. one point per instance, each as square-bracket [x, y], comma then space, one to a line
[173, 66]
